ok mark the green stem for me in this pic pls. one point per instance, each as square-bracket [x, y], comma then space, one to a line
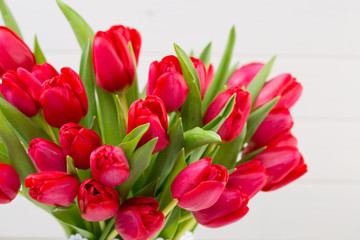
[188, 225]
[186, 217]
[21, 193]
[209, 150]
[48, 128]
[170, 207]
[112, 234]
[102, 225]
[122, 111]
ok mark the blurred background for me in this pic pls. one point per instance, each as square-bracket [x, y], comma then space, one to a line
[316, 41]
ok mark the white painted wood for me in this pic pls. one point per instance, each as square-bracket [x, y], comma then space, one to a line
[317, 41]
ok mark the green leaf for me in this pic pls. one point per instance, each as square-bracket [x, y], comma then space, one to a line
[26, 129]
[4, 158]
[225, 112]
[138, 162]
[107, 116]
[17, 155]
[258, 82]
[129, 143]
[39, 55]
[257, 117]
[220, 76]
[149, 190]
[205, 55]
[107, 230]
[165, 196]
[82, 30]
[9, 19]
[198, 137]
[191, 109]
[251, 155]
[87, 76]
[171, 225]
[133, 93]
[70, 167]
[166, 160]
[227, 153]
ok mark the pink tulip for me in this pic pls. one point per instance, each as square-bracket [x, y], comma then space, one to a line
[283, 85]
[244, 75]
[9, 183]
[52, 188]
[113, 64]
[78, 142]
[284, 164]
[46, 155]
[167, 82]
[151, 110]
[139, 219]
[14, 52]
[199, 185]
[249, 178]
[275, 124]
[96, 201]
[234, 124]
[63, 98]
[44, 72]
[230, 207]
[109, 165]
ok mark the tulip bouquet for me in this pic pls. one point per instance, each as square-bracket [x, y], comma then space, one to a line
[110, 162]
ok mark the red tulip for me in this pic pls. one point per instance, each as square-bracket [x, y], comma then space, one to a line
[244, 75]
[205, 76]
[167, 82]
[230, 208]
[113, 64]
[249, 178]
[276, 123]
[234, 124]
[46, 155]
[151, 110]
[9, 183]
[52, 188]
[109, 165]
[138, 219]
[14, 52]
[280, 163]
[96, 201]
[44, 72]
[283, 85]
[22, 90]
[199, 185]
[78, 142]
[63, 98]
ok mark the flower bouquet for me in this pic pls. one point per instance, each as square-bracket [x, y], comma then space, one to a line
[108, 161]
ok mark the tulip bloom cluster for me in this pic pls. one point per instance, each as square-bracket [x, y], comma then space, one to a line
[137, 165]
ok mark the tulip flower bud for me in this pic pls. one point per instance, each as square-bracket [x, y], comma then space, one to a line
[113, 64]
[276, 123]
[205, 76]
[14, 52]
[52, 188]
[22, 90]
[63, 98]
[199, 185]
[230, 208]
[96, 201]
[283, 85]
[138, 219]
[284, 164]
[244, 75]
[44, 72]
[151, 110]
[79, 142]
[249, 178]
[46, 155]
[167, 82]
[109, 165]
[9, 183]
[234, 124]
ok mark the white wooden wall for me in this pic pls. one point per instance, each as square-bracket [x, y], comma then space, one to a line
[317, 41]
